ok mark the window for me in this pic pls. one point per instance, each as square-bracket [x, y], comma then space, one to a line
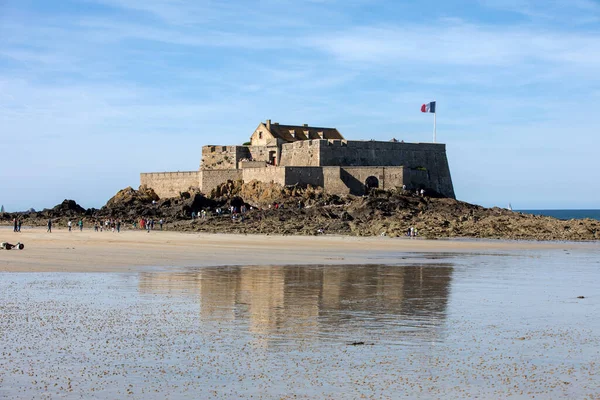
[260, 135]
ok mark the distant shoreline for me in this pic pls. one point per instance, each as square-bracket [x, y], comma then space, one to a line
[565, 214]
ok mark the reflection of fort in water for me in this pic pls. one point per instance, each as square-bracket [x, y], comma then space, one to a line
[310, 298]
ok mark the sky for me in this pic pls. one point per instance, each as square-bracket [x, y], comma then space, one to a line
[93, 92]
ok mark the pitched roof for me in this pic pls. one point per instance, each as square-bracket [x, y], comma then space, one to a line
[292, 133]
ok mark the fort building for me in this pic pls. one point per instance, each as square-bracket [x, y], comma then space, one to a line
[306, 155]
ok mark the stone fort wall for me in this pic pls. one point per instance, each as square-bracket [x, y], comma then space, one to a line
[420, 159]
[339, 166]
[343, 180]
[210, 179]
[228, 157]
[222, 157]
[170, 184]
[301, 153]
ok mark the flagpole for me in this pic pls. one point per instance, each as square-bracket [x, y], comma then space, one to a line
[434, 131]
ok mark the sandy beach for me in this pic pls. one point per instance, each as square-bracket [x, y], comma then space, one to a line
[90, 251]
[180, 315]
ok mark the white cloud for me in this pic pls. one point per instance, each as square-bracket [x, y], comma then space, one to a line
[461, 45]
[578, 12]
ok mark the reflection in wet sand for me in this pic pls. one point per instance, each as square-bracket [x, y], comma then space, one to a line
[324, 301]
[460, 326]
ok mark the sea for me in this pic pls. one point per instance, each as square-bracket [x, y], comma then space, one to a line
[565, 214]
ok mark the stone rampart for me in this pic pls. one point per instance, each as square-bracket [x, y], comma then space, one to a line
[428, 158]
[356, 153]
[303, 153]
[340, 166]
[267, 174]
[304, 176]
[170, 184]
[260, 153]
[252, 164]
[223, 157]
[332, 181]
[210, 179]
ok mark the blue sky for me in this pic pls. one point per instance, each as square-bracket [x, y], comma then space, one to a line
[93, 92]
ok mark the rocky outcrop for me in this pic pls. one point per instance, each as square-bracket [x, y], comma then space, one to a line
[274, 209]
[130, 197]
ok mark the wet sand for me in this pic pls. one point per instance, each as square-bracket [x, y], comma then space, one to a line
[465, 326]
[89, 251]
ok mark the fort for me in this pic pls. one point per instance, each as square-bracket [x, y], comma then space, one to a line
[304, 155]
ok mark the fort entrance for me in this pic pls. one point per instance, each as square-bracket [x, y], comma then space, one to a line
[371, 183]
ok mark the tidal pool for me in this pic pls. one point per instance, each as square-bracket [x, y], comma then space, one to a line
[443, 326]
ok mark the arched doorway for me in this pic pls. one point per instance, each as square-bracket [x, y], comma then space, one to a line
[371, 183]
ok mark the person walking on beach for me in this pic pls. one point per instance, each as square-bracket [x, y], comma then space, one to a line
[49, 225]
[80, 225]
[19, 225]
[16, 223]
[118, 226]
[69, 225]
[161, 222]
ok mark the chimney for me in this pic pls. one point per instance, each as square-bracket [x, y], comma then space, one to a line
[269, 124]
[304, 124]
[320, 134]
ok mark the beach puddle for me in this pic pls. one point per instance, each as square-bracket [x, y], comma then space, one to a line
[462, 326]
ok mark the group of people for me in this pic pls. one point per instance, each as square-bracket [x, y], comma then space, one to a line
[70, 224]
[238, 212]
[412, 232]
[199, 214]
[235, 212]
[418, 192]
[17, 224]
[111, 224]
[148, 224]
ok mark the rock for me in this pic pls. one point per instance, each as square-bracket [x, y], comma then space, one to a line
[306, 210]
[129, 196]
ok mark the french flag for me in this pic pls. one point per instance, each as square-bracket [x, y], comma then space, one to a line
[428, 108]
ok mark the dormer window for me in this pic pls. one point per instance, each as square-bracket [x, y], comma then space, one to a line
[260, 135]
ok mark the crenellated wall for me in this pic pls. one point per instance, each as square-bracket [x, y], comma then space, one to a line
[223, 157]
[170, 184]
[261, 153]
[303, 153]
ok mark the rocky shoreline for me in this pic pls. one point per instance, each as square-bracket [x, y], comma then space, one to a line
[273, 209]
